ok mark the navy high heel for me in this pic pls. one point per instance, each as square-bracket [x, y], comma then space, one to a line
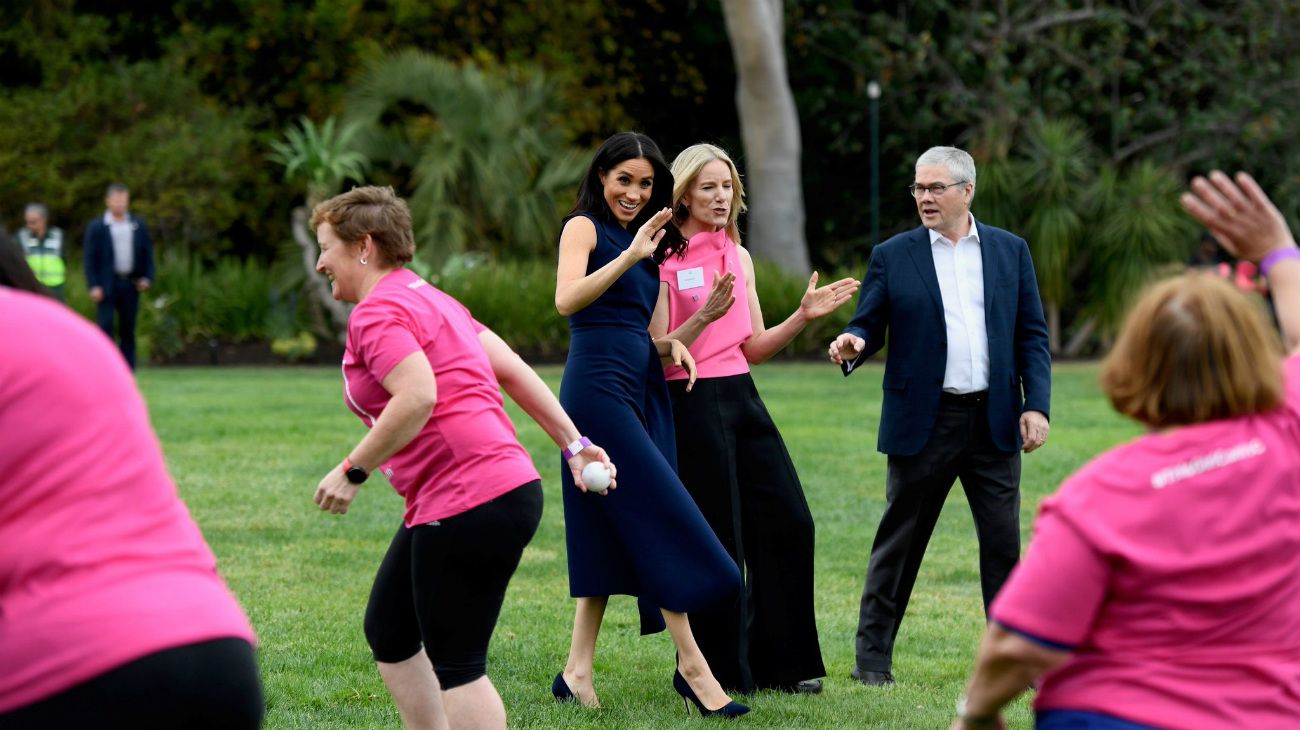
[560, 689]
[729, 711]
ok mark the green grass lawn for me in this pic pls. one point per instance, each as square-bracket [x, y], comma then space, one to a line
[247, 447]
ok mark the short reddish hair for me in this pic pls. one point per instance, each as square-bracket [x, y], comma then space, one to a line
[377, 211]
[1194, 349]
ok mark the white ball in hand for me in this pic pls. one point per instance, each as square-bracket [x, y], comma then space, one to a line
[596, 476]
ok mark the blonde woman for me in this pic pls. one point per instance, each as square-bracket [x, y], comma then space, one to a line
[730, 455]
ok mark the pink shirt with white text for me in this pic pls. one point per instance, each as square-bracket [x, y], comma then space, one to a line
[1171, 567]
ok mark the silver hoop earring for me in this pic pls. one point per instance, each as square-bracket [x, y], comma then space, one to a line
[363, 262]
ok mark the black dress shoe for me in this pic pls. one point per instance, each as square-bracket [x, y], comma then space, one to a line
[872, 679]
[805, 687]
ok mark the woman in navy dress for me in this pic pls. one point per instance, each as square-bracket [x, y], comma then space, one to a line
[648, 539]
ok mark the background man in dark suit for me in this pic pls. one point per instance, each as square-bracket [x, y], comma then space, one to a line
[967, 385]
[119, 265]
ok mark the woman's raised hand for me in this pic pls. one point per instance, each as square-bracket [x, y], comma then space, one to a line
[1239, 214]
[649, 235]
[819, 302]
[720, 298]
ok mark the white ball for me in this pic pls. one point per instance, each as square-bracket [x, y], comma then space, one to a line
[596, 476]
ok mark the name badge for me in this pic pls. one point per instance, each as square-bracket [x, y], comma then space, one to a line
[690, 278]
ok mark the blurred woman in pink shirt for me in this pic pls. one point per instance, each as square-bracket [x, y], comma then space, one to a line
[112, 614]
[730, 455]
[1162, 586]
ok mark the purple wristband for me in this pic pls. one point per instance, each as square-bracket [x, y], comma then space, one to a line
[572, 449]
[1271, 260]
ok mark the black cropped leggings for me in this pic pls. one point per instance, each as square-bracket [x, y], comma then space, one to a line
[211, 685]
[442, 585]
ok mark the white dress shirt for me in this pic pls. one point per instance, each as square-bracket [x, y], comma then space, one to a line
[123, 233]
[961, 285]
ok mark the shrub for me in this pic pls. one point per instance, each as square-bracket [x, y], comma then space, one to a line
[779, 293]
[516, 299]
[195, 301]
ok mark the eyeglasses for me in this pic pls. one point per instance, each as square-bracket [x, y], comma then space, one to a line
[936, 189]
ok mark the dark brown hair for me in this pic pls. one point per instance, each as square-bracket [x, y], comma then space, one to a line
[591, 194]
[15, 273]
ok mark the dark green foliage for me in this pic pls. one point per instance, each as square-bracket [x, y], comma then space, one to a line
[320, 158]
[480, 154]
[779, 294]
[1098, 232]
[1186, 84]
[187, 162]
[515, 299]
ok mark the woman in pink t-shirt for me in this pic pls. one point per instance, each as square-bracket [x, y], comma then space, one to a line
[112, 614]
[423, 376]
[1162, 586]
[729, 454]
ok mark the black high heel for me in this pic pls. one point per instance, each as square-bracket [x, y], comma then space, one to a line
[729, 711]
[560, 689]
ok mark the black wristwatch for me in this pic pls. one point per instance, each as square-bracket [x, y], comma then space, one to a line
[355, 474]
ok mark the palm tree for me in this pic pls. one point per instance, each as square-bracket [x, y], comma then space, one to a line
[1140, 232]
[1044, 182]
[1056, 175]
[489, 163]
[321, 158]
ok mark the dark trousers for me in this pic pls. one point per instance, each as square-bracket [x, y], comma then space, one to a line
[122, 299]
[210, 684]
[916, 487]
[735, 466]
[441, 585]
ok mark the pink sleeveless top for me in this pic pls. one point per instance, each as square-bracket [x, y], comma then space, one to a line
[690, 279]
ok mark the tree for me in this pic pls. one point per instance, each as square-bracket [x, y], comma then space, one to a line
[1043, 183]
[481, 151]
[1139, 230]
[321, 158]
[1043, 194]
[186, 161]
[769, 126]
[1189, 84]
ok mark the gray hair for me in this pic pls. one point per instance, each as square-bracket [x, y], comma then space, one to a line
[116, 187]
[38, 209]
[958, 162]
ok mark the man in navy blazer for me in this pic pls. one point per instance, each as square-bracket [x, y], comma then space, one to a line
[119, 265]
[967, 385]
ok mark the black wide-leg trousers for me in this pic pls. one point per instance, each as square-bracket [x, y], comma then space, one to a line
[916, 487]
[735, 465]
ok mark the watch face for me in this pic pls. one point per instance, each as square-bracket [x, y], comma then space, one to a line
[356, 475]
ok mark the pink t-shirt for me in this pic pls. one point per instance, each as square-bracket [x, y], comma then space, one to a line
[1171, 566]
[100, 562]
[467, 454]
[717, 350]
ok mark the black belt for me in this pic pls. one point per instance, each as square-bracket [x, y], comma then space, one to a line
[968, 400]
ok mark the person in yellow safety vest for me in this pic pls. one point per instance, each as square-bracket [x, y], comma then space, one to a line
[43, 246]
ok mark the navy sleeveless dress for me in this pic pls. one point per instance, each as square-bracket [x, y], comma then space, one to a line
[646, 538]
